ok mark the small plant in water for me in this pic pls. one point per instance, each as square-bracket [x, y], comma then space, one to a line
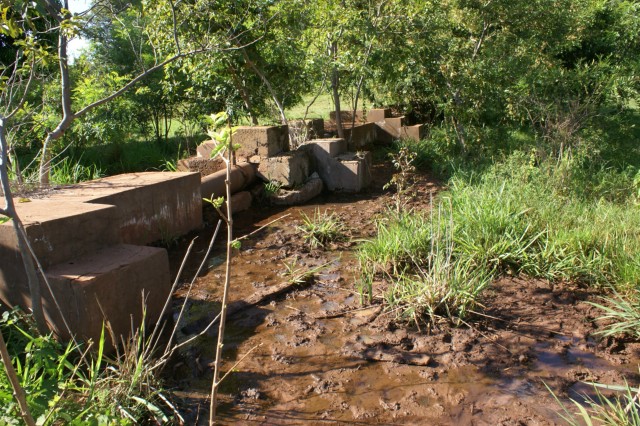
[322, 228]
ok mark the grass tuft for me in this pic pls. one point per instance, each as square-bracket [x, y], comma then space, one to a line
[321, 229]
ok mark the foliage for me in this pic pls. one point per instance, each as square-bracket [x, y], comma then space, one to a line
[402, 180]
[321, 229]
[73, 385]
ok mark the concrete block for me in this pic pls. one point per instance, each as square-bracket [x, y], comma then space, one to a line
[415, 133]
[385, 133]
[349, 172]
[378, 114]
[203, 165]
[360, 136]
[354, 172]
[57, 231]
[290, 169]
[151, 206]
[265, 141]
[108, 285]
[396, 123]
[331, 146]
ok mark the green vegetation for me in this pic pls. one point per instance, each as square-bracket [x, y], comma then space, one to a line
[67, 384]
[321, 229]
[622, 409]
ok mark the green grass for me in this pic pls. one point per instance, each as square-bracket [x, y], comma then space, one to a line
[320, 108]
[516, 217]
[322, 228]
[68, 384]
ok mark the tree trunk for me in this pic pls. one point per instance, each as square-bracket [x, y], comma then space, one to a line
[335, 84]
[266, 82]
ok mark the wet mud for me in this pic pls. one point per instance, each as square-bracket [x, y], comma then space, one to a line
[317, 355]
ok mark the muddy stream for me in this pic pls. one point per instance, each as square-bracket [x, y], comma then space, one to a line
[318, 356]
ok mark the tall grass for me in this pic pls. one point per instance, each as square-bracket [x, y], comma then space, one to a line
[518, 216]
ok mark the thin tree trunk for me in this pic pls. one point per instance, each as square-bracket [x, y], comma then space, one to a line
[266, 82]
[10, 211]
[243, 94]
[335, 84]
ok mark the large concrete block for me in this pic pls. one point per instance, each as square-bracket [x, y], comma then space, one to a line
[360, 136]
[331, 146]
[108, 285]
[349, 172]
[415, 133]
[289, 169]
[151, 206]
[354, 172]
[378, 114]
[265, 141]
[396, 123]
[57, 231]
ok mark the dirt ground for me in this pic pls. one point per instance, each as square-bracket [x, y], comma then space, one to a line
[318, 356]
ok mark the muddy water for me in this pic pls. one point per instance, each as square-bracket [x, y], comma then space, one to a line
[317, 356]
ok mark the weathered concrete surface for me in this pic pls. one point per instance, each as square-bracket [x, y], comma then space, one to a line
[289, 169]
[213, 186]
[349, 171]
[330, 146]
[151, 206]
[353, 173]
[108, 285]
[265, 141]
[204, 166]
[360, 136]
[378, 114]
[312, 188]
[414, 133]
[57, 231]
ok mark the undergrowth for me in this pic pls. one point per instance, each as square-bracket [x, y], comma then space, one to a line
[519, 216]
[70, 384]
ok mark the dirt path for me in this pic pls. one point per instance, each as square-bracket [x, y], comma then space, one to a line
[319, 357]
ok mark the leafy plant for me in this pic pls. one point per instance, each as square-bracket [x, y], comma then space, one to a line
[272, 188]
[402, 180]
[321, 229]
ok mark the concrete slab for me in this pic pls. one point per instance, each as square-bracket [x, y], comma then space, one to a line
[414, 133]
[396, 123]
[289, 169]
[108, 285]
[331, 146]
[310, 128]
[360, 136]
[354, 172]
[57, 231]
[151, 206]
[378, 114]
[265, 141]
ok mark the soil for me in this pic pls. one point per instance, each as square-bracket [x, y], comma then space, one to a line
[317, 355]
